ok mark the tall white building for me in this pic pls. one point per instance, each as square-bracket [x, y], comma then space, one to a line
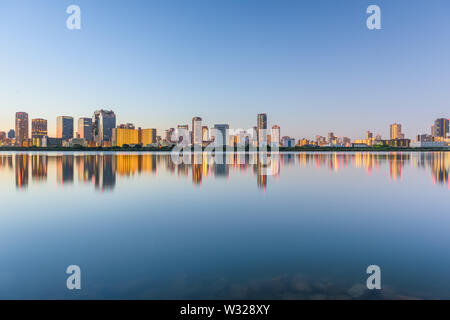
[197, 135]
[275, 136]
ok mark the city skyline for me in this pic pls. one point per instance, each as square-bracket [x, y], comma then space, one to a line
[92, 128]
[312, 66]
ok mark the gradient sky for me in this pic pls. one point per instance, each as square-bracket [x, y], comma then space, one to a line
[311, 65]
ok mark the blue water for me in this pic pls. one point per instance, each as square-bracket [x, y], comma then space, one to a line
[304, 226]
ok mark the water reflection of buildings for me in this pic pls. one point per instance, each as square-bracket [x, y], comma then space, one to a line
[101, 169]
[439, 162]
[39, 167]
[64, 169]
[21, 171]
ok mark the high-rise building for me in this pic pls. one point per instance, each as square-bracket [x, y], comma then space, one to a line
[85, 128]
[169, 135]
[11, 134]
[22, 134]
[103, 122]
[197, 131]
[38, 128]
[130, 136]
[147, 136]
[222, 130]
[396, 131]
[331, 137]
[440, 128]
[424, 138]
[205, 133]
[64, 127]
[262, 128]
[183, 134]
[125, 136]
[369, 135]
[276, 136]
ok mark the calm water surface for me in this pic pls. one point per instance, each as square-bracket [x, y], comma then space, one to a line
[306, 226]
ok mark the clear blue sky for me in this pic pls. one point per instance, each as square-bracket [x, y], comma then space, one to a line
[311, 65]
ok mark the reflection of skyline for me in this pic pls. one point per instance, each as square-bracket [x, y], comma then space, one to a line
[21, 171]
[39, 167]
[101, 169]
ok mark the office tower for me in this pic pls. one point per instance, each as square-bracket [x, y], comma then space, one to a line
[128, 136]
[440, 128]
[21, 128]
[169, 135]
[147, 136]
[369, 135]
[396, 131]
[103, 122]
[331, 137]
[276, 136]
[125, 136]
[424, 138]
[38, 128]
[85, 128]
[64, 127]
[288, 142]
[183, 133]
[11, 134]
[197, 131]
[205, 133]
[261, 128]
[222, 130]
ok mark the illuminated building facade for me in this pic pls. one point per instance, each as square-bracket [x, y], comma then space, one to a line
[64, 128]
[85, 129]
[205, 133]
[123, 136]
[21, 132]
[38, 128]
[396, 131]
[147, 136]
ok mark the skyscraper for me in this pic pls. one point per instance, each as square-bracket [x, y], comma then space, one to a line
[103, 122]
[440, 128]
[38, 128]
[147, 136]
[396, 131]
[261, 128]
[331, 137]
[276, 136]
[169, 135]
[205, 133]
[85, 128]
[21, 128]
[197, 131]
[11, 134]
[183, 134]
[64, 127]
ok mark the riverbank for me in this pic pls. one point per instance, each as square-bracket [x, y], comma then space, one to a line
[166, 149]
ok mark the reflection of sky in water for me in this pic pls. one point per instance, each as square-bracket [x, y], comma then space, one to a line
[304, 226]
